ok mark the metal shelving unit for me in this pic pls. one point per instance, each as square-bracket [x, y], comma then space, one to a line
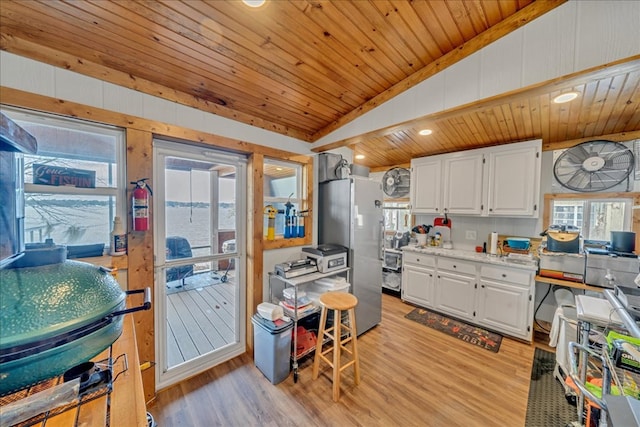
[608, 315]
[296, 283]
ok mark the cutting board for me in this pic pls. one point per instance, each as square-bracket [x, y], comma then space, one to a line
[444, 231]
[439, 221]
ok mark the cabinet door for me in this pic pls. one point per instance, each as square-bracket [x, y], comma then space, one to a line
[417, 285]
[463, 183]
[426, 179]
[455, 294]
[513, 182]
[505, 308]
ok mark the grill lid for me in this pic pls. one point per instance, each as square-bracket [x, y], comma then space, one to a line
[37, 303]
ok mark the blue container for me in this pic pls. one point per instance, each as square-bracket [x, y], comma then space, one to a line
[518, 243]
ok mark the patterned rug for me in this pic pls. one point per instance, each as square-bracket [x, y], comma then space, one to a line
[455, 328]
[547, 405]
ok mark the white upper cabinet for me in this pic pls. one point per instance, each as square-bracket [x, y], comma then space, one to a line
[495, 181]
[450, 183]
[462, 184]
[513, 179]
[426, 185]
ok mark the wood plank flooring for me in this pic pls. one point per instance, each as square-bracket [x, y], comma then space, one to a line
[200, 318]
[411, 375]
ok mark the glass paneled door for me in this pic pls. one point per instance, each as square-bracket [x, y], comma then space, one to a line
[199, 216]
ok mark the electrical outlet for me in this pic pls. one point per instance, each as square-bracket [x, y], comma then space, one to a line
[471, 235]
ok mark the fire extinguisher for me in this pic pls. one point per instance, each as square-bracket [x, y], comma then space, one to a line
[140, 205]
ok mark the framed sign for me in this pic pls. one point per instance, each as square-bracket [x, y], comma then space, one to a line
[60, 176]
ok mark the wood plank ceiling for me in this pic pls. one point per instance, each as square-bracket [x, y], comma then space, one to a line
[305, 68]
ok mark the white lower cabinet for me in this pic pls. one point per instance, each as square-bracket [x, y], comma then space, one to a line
[496, 297]
[505, 301]
[418, 276]
[455, 287]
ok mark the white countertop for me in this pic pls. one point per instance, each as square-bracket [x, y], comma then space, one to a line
[524, 264]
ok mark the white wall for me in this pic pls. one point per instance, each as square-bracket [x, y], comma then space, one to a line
[573, 37]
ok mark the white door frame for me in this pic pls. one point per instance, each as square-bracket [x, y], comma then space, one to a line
[161, 149]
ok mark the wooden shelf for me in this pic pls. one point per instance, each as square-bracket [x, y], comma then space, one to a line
[568, 284]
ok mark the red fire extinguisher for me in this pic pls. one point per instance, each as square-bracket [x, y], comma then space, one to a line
[140, 205]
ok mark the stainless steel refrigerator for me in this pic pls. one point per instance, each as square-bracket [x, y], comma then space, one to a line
[350, 214]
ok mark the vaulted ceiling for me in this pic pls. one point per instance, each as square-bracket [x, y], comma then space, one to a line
[305, 68]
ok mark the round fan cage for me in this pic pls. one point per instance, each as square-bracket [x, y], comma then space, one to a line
[395, 182]
[594, 166]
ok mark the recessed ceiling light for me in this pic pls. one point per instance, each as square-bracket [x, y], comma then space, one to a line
[253, 3]
[565, 97]
[425, 132]
[278, 169]
[359, 156]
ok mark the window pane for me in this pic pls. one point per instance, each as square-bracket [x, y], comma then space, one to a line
[605, 217]
[281, 179]
[73, 158]
[72, 220]
[282, 187]
[200, 204]
[595, 218]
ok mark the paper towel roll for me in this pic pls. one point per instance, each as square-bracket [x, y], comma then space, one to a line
[493, 244]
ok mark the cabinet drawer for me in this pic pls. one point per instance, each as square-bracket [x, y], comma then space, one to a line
[506, 275]
[456, 265]
[417, 258]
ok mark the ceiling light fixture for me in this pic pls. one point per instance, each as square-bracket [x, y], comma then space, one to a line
[425, 132]
[565, 97]
[359, 156]
[253, 3]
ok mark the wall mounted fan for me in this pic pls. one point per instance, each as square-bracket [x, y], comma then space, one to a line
[395, 182]
[593, 166]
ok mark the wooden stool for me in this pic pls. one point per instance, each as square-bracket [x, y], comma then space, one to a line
[338, 302]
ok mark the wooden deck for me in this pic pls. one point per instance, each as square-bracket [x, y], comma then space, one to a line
[200, 317]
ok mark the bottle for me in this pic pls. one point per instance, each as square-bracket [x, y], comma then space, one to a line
[300, 225]
[118, 245]
[293, 230]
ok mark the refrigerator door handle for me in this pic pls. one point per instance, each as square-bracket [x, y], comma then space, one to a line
[381, 240]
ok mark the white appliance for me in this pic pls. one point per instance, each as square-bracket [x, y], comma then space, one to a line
[350, 214]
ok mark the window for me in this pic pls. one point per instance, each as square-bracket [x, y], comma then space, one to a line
[75, 184]
[397, 217]
[596, 216]
[283, 189]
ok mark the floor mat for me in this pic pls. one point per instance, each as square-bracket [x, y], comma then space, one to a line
[547, 405]
[467, 333]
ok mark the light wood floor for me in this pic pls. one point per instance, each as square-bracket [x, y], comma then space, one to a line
[411, 375]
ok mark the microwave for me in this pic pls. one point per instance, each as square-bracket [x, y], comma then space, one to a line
[13, 142]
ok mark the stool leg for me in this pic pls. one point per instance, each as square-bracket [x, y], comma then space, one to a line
[337, 334]
[354, 346]
[320, 338]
